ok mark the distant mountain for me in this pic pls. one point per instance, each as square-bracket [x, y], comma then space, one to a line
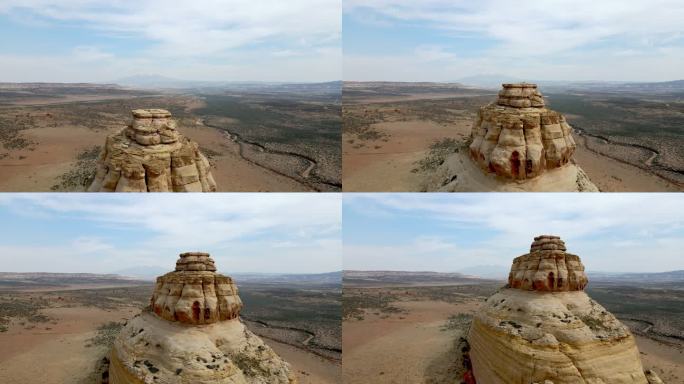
[17, 280]
[407, 278]
[163, 82]
[151, 81]
[489, 81]
[292, 278]
[664, 87]
[142, 271]
[487, 271]
[637, 277]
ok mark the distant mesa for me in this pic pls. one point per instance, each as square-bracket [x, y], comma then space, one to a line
[543, 328]
[191, 333]
[150, 155]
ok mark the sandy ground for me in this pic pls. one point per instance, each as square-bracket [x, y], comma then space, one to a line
[666, 361]
[399, 349]
[310, 369]
[613, 176]
[388, 168]
[59, 349]
[56, 355]
[56, 149]
[54, 154]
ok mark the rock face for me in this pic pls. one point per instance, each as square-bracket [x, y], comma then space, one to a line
[192, 334]
[543, 328]
[150, 155]
[518, 138]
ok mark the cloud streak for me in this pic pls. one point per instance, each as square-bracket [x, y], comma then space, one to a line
[200, 34]
[560, 40]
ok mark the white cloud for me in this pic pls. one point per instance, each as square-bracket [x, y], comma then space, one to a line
[248, 229]
[217, 39]
[618, 232]
[550, 40]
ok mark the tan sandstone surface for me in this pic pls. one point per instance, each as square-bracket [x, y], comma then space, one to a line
[150, 155]
[543, 328]
[518, 145]
[193, 334]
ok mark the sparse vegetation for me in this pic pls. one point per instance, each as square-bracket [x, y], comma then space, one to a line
[106, 333]
[459, 321]
[439, 150]
[81, 174]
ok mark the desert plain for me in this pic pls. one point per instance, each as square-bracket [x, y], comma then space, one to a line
[259, 137]
[395, 135]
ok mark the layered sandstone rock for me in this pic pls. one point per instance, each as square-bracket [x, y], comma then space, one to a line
[194, 293]
[150, 155]
[543, 328]
[193, 334]
[518, 138]
[517, 145]
[548, 268]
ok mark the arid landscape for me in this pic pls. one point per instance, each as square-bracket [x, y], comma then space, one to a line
[67, 323]
[409, 327]
[395, 135]
[258, 137]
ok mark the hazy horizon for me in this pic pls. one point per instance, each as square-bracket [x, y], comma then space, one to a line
[445, 40]
[617, 232]
[202, 40]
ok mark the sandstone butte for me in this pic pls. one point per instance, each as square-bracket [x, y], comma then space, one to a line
[543, 328]
[517, 144]
[150, 155]
[191, 333]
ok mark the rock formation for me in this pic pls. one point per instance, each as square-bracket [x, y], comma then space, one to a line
[518, 145]
[192, 334]
[150, 155]
[543, 328]
[517, 137]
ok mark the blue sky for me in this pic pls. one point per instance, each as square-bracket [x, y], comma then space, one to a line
[210, 40]
[100, 233]
[450, 232]
[445, 40]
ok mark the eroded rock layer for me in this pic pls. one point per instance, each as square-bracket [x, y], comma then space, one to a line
[150, 155]
[194, 293]
[518, 138]
[192, 334]
[548, 268]
[549, 330]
